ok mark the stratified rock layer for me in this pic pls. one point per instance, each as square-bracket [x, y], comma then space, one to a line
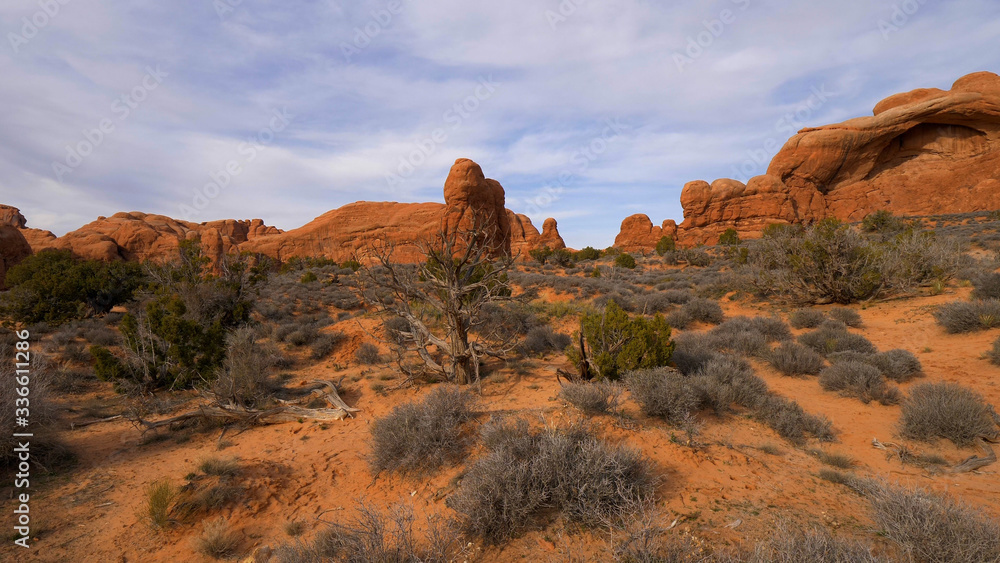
[923, 152]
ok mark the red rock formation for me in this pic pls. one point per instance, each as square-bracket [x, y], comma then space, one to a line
[922, 152]
[13, 249]
[524, 237]
[638, 234]
[474, 201]
[339, 234]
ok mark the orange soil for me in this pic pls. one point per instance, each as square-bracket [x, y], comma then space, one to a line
[723, 490]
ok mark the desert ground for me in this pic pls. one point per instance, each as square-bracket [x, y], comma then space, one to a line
[724, 483]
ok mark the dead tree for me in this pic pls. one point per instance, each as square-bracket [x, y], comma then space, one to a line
[444, 299]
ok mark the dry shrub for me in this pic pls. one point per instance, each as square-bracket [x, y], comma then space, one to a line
[846, 315]
[374, 535]
[929, 527]
[592, 398]
[858, 379]
[788, 545]
[946, 410]
[243, 378]
[833, 337]
[368, 354]
[791, 358]
[968, 316]
[160, 497]
[528, 474]
[422, 435]
[807, 318]
[217, 539]
[663, 393]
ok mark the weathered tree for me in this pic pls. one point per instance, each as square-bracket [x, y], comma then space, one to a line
[445, 300]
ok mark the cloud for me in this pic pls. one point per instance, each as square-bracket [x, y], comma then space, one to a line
[370, 82]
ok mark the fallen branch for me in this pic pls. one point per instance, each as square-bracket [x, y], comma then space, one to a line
[75, 425]
[975, 462]
[286, 411]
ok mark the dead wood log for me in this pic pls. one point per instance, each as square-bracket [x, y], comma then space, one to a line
[286, 411]
[75, 425]
[975, 462]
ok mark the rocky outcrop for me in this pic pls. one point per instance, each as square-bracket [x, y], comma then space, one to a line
[340, 234]
[638, 234]
[139, 237]
[473, 201]
[923, 152]
[344, 233]
[524, 237]
[13, 249]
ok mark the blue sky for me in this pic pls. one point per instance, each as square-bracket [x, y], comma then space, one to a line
[284, 110]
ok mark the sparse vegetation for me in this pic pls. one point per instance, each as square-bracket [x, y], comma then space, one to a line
[160, 497]
[592, 398]
[217, 539]
[367, 354]
[946, 410]
[806, 318]
[969, 316]
[858, 379]
[929, 527]
[833, 337]
[422, 435]
[528, 474]
[832, 261]
[791, 358]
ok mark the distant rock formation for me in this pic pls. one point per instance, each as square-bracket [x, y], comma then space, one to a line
[922, 152]
[338, 234]
[638, 234]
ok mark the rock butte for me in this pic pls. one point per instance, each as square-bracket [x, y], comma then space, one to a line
[923, 152]
[338, 234]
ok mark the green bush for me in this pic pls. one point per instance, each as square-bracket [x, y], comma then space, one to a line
[309, 277]
[54, 286]
[882, 221]
[179, 336]
[729, 237]
[540, 255]
[665, 245]
[587, 253]
[562, 257]
[625, 260]
[620, 343]
[833, 262]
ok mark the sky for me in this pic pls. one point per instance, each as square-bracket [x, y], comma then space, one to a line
[587, 111]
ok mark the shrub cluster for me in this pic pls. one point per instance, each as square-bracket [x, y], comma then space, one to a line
[422, 435]
[969, 316]
[832, 337]
[946, 410]
[832, 261]
[807, 318]
[528, 474]
[858, 379]
[619, 343]
[791, 358]
[696, 310]
[592, 398]
[721, 383]
[55, 286]
[929, 527]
